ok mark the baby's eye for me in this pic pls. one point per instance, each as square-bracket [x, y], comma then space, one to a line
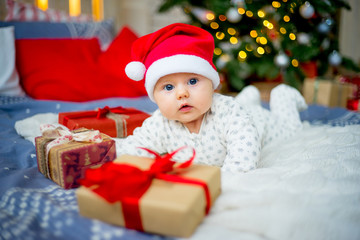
[168, 87]
[193, 81]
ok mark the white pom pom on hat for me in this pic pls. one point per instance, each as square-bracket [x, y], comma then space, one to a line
[135, 70]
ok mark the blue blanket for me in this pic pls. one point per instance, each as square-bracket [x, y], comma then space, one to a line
[33, 207]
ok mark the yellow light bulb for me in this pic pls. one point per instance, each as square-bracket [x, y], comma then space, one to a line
[222, 18]
[292, 36]
[74, 8]
[231, 31]
[249, 13]
[234, 40]
[217, 51]
[263, 40]
[210, 16]
[253, 34]
[214, 25]
[261, 13]
[276, 4]
[242, 55]
[260, 50]
[42, 4]
[286, 18]
[282, 30]
[295, 63]
[241, 11]
[220, 35]
[97, 9]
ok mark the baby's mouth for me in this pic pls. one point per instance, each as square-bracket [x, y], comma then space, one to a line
[185, 108]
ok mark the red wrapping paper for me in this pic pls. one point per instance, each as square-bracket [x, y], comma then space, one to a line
[114, 122]
[353, 104]
[66, 163]
[355, 80]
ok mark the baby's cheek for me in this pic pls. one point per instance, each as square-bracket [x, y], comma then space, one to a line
[206, 104]
[167, 110]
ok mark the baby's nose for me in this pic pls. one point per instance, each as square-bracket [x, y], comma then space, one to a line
[182, 92]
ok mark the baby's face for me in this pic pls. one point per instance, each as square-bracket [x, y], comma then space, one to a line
[184, 97]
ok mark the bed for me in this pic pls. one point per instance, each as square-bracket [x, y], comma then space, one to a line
[305, 188]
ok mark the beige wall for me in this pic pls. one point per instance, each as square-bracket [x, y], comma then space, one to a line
[141, 15]
[350, 31]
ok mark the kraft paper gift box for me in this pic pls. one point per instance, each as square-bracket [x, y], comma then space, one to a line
[115, 122]
[166, 208]
[327, 92]
[65, 163]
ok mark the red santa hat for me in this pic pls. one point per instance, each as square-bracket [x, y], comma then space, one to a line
[173, 49]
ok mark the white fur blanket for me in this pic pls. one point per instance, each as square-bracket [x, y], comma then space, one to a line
[305, 188]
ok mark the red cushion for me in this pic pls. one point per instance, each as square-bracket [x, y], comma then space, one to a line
[57, 69]
[76, 69]
[114, 60]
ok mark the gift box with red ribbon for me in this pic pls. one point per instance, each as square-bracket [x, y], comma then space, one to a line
[115, 122]
[355, 80]
[63, 156]
[152, 195]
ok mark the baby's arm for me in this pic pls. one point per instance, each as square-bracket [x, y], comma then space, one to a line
[243, 143]
[146, 136]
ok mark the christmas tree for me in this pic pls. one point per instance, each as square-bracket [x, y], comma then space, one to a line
[262, 39]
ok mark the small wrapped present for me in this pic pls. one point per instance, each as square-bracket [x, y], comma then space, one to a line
[63, 156]
[156, 196]
[327, 92]
[355, 80]
[115, 122]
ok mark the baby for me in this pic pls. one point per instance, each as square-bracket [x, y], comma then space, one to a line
[180, 77]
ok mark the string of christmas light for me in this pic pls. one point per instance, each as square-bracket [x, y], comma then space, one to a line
[267, 39]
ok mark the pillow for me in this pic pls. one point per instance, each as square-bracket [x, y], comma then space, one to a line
[17, 11]
[9, 78]
[38, 29]
[59, 69]
[103, 30]
[76, 69]
[114, 60]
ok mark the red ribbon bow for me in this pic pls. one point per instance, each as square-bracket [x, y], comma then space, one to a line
[126, 183]
[101, 112]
